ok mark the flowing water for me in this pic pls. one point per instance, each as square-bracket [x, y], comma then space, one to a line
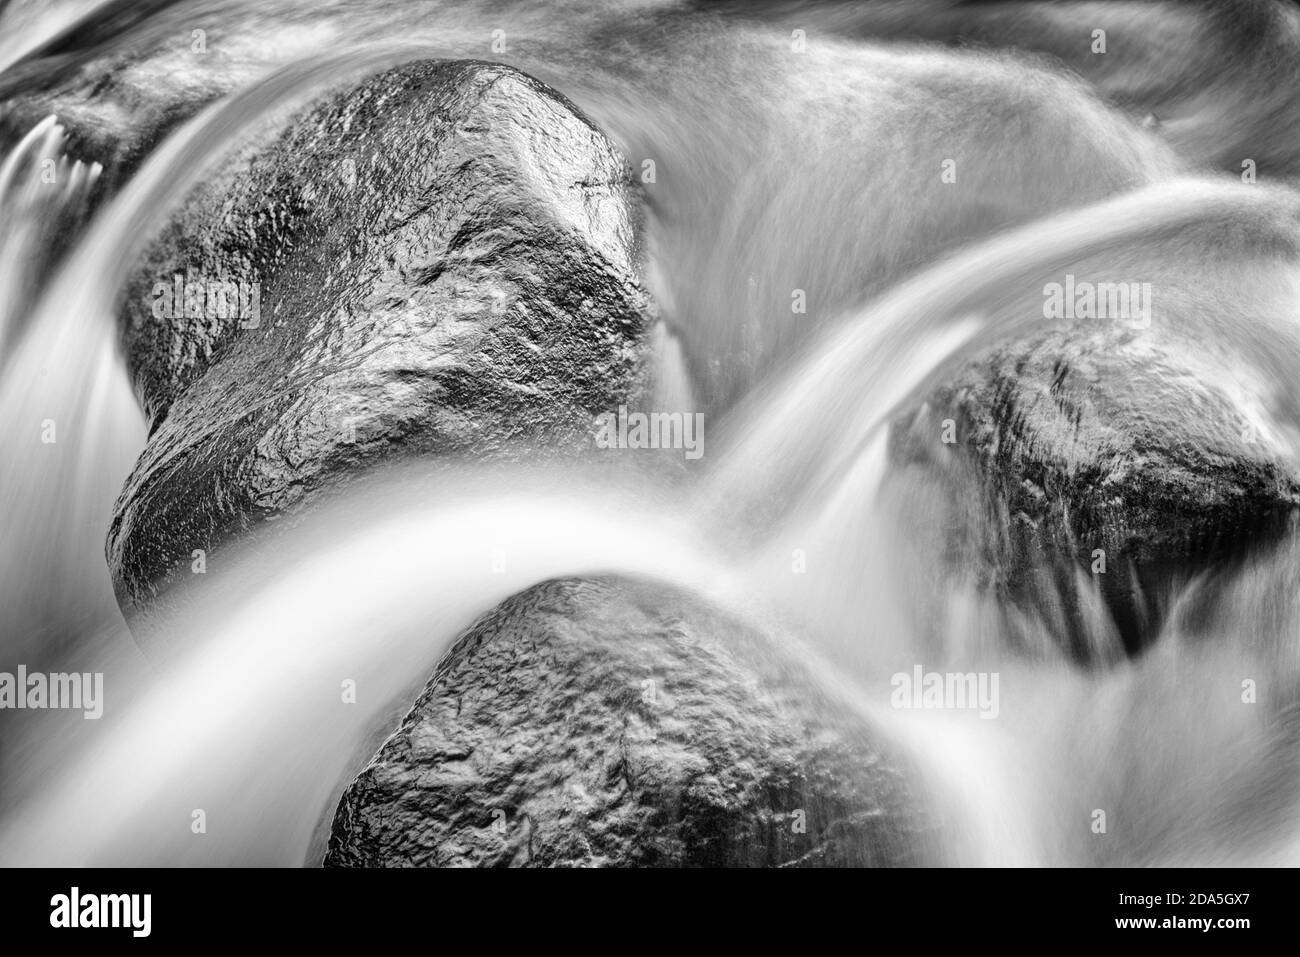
[763, 193]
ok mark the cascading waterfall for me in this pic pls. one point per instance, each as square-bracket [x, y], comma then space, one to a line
[40, 189]
[377, 585]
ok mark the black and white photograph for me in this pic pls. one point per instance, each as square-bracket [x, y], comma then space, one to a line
[650, 434]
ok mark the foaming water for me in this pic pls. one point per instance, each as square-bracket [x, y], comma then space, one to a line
[756, 194]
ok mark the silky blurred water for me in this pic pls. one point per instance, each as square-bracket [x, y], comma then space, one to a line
[767, 180]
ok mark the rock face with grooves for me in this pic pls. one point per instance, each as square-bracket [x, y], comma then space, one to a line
[607, 722]
[438, 261]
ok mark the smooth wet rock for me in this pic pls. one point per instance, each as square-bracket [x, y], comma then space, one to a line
[1097, 453]
[437, 262]
[608, 722]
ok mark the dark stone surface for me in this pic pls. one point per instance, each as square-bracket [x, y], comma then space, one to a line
[447, 262]
[539, 742]
[1094, 436]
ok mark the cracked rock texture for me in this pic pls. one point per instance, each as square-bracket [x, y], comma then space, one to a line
[445, 255]
[610, 722]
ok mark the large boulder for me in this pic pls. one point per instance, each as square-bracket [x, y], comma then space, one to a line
[438, 261]
[611, 722]
[1119, 458]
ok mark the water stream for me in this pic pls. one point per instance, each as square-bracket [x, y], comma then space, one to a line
[762, 195]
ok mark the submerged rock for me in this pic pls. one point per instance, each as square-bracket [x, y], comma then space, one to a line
[608, 722]
[437, 261]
